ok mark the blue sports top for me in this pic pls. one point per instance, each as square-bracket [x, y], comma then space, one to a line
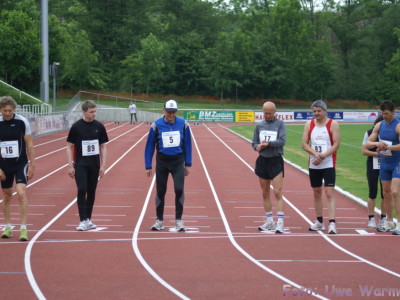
[169, 139]
[387, 132]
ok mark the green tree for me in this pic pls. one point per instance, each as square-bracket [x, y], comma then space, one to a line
[20, 54]
[147, 66]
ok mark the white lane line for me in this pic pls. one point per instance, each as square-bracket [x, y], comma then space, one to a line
[28, 251]
[228, 229]
[325, 236]
[139, 255]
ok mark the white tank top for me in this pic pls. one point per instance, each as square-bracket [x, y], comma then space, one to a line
[321, 141]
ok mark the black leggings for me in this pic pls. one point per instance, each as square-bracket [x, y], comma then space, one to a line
[175, 165]
[373, 179]
[86, 178]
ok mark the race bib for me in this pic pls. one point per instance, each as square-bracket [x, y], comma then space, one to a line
[90, 148]
[9, 149]
[171, 139]
[386, 152]
[268, 135]
[376, 162]
[320, 146]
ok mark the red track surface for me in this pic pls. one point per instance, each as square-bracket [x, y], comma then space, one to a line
[222, 255]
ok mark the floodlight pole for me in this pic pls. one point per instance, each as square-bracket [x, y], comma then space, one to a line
[54, 72]
[44, 35]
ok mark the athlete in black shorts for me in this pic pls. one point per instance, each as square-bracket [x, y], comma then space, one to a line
[17, 162]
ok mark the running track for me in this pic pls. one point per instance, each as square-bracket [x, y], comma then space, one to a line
[222, 255]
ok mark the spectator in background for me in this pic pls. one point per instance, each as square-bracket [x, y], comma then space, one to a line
[373, 166]
[132, 111]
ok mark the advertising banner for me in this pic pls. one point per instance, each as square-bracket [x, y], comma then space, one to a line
[209, 116]
[244, 116]
[304, 116]
[362, 116]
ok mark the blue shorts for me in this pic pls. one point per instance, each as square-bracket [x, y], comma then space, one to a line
[390, 168]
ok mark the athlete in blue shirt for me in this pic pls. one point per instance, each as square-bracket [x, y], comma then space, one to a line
[388, 133]
[172, 138]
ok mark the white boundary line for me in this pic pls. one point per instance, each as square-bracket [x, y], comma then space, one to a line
[328, 239]
[28, 251]
[137, 251]
[228, 229]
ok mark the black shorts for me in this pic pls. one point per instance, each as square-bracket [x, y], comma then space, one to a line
[328, 175]
[19, 172]
[269, 167]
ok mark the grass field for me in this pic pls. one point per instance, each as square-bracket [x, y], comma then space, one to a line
[351, 164]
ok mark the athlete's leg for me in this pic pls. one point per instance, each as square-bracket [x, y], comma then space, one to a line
[395, 188]
[7, 194]
[23, 202]
[277, 190]
[92, 180]
[387, 198]
[265, 189]
[372, 178]
[318, 201]
[81, 183]
[178, 175]
[329, 191]
[161, 185]
[329, 175]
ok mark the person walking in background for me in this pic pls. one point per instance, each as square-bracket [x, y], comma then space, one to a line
[17, 162]
[132, 111]
[373, 166]
[321, 139]
[86, 154]
[268, 140]
[172, 138]
[388, 132]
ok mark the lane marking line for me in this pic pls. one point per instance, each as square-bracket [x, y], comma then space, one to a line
[328, 239]
[227, 227]
[28, 251]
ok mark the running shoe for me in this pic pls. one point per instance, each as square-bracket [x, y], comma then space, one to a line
[317, 226]
[158, 225]
[7, 233]
[280, 228]
[389, 226]
[82, 226]
[90, 225]
[332, 228]
[397, 230]
[179, 226]
[269, 225]
[371, 223]
[382, 222]
[23, 234]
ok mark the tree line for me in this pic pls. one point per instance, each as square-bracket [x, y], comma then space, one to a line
[239, 49]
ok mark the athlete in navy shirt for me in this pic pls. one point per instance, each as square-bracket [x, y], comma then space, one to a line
[171, 136]
[17, 162]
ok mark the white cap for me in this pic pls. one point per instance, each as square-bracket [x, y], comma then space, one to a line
[171, 106]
